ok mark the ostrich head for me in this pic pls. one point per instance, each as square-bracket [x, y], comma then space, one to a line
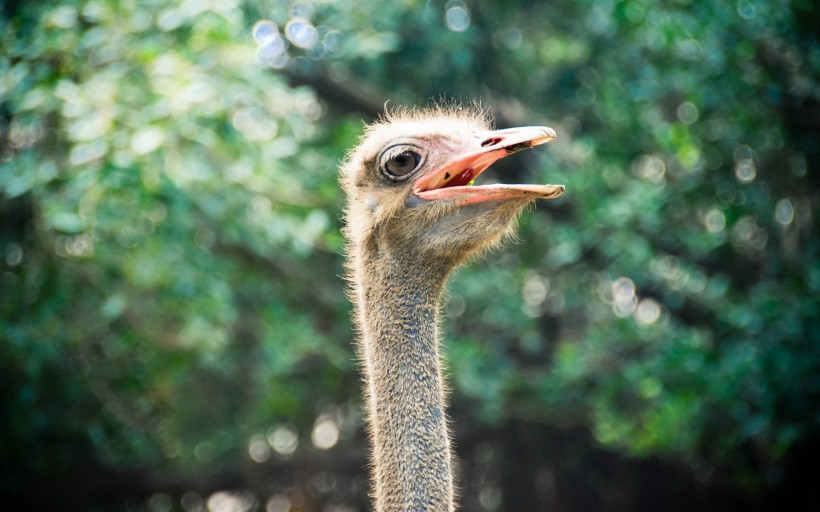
[410, 185]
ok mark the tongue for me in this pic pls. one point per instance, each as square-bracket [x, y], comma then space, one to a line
[461, 179]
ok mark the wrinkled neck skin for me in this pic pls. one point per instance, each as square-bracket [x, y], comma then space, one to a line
[397, 313]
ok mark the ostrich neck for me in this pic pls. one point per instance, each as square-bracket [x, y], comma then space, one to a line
[398, 318]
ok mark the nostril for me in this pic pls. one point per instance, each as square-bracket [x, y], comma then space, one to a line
[490, 142]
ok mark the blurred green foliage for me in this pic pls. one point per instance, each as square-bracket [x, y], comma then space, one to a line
[170, 236]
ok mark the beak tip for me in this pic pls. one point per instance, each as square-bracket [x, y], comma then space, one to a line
[548, 135]
[558, 190]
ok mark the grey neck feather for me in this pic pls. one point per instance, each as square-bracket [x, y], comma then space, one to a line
[398, 307]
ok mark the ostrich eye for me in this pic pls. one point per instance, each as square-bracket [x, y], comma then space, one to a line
[402, 164]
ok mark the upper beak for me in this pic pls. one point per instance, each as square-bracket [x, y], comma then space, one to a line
[453, 179]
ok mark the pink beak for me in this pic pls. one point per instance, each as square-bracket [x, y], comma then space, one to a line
[453, 180]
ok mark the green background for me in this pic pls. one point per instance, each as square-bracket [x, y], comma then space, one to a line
[174, 333]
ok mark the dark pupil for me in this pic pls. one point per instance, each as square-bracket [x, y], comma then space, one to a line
[402, 164]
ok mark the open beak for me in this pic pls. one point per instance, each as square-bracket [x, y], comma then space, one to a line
[454, 179]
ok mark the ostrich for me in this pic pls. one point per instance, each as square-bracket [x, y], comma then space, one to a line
[412, 216]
